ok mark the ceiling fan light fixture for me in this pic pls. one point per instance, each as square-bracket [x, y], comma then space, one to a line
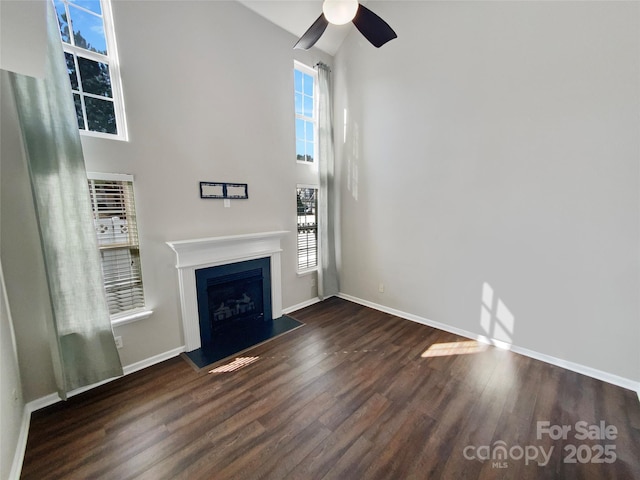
[339, 12]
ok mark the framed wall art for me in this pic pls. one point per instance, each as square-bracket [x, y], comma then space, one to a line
[224, 190]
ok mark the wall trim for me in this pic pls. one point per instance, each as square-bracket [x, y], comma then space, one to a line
[53, 398]
[142, 364]
[21, 445]
[307, 303]
[558, 362]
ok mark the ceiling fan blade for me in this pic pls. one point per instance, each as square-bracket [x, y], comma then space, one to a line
[312, 35]
[374, 29]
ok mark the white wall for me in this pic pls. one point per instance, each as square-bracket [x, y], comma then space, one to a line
[494, 146]
[209, 97]
[20, 20]
[11, 402]
[17, 19]
[495, 143]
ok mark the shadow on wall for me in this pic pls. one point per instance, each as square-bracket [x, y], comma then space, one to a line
[496, 320]
[352, 155]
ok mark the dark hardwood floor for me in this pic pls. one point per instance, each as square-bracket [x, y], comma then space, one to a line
[348, 396]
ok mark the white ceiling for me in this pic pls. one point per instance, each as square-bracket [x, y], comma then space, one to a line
[296, 16]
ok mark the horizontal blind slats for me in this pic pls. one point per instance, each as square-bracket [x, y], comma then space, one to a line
[307, 228]
[117, 233]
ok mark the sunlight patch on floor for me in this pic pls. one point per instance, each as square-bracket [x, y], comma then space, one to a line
[237, 364]
[454, 348]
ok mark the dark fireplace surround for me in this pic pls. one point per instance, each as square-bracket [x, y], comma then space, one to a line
[233, 297]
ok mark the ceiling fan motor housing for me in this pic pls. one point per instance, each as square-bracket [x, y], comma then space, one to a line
[339, 12]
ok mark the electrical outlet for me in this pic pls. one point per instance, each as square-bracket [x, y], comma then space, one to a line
[118, 342]
[381, 287]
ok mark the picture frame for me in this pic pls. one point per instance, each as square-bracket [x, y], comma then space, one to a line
[237, 191]
[224, 190]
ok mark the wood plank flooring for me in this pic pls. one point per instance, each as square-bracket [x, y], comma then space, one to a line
[347, 396]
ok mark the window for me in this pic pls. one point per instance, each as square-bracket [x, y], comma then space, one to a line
[307, 200]
[88, 41]
[114, 217]
[305, 112]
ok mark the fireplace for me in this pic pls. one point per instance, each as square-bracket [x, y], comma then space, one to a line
[203, 254]
[233, 297]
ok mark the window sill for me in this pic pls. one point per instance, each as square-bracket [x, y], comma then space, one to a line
[130, 317]
[109, 136]
[309, 271]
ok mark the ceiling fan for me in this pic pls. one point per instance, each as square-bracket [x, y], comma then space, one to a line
[340, 12]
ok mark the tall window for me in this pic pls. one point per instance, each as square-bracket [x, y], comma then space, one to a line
[307, 200]
[114, 217]
[306, 113]
[88, 41]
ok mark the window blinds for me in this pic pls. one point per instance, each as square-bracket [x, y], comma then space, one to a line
[307, 228]
[114, 219]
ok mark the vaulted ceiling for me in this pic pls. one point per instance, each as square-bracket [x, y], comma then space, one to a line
[296, 16]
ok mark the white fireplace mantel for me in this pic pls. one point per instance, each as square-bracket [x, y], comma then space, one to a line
[210, 252]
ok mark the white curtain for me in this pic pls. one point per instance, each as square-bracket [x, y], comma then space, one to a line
[327, 272]
[82, 345]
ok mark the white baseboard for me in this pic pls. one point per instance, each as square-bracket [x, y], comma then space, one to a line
[21, 446]
[308, 303]
[53, 398]
[135, 367]
[574, 367]
[42, 402]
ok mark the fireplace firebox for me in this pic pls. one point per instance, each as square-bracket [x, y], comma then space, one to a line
[233, 297]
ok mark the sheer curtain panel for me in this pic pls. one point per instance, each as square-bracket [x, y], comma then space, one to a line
[327, 271]
[82, 344]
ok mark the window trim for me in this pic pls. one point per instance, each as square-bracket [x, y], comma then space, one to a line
[131, 316]
[138, 313]
[313, 72]
[112, 60]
